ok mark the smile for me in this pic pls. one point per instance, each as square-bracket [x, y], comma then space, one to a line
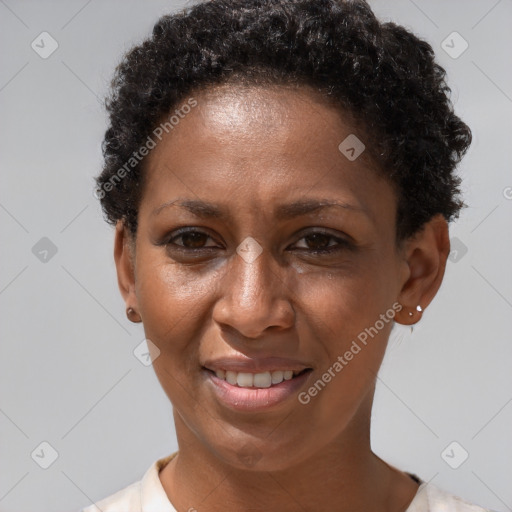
[256, 380]
[255, 392]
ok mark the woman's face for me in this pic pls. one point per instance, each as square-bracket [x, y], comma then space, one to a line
[262, 249]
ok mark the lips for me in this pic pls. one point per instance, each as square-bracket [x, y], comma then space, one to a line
[255, 365]
[249, 384]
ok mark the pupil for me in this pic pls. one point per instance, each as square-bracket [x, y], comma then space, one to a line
[318, 237]
[195, 239]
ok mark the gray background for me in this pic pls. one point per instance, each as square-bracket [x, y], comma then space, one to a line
[68, 375]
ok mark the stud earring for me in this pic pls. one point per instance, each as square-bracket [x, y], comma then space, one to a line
[132, 315]
[419, 309]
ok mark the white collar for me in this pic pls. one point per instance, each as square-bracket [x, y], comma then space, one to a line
[153, 497]
[148, 495]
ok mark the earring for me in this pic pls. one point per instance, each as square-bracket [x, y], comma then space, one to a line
[419, 309]
[131, 313]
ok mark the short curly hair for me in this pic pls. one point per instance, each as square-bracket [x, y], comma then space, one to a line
[380, 74]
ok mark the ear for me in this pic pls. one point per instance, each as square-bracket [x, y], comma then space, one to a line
[425, 253]
[125, 265]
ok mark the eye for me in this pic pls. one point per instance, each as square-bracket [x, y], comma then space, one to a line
[322, 242]
[316, 242]
[191, 239]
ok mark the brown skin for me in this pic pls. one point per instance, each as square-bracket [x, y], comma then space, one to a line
[250, 150]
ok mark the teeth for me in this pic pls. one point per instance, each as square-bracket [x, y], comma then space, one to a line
[257, 380]
[231, 378]
[245, 380]
[277, 377]
[262, 380]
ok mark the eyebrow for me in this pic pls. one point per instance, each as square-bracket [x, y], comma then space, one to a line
[206, 210]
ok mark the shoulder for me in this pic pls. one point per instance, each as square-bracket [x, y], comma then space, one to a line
[127, 499]
[145, 494]
[430, 498]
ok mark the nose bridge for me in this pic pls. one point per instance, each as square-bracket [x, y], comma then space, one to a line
[254, 295]
[252, 284]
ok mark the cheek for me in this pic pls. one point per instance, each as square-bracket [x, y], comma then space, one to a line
[173, 302]
[354, 330]
[346, 300]
[350, 317]
[350, 314]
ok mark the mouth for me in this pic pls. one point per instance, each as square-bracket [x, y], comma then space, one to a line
[259, 380]
[255, 391]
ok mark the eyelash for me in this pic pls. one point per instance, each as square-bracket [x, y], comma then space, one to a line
[342, 244]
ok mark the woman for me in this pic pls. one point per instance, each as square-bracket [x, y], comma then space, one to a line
[280, 174]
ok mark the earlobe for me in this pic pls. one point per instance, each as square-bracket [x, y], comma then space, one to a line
[124, 261]
[426, 253]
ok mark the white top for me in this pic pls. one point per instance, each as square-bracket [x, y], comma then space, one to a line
[148, 495]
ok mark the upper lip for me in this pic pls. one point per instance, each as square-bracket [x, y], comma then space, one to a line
[254, 365]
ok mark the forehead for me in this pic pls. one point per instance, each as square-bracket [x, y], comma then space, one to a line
[256, 123]
[252, 107]
[265, 142]
[278, 116]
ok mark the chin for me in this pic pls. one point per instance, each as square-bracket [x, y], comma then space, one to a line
[248, 453]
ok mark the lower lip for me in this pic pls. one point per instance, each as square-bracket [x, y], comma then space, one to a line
[255, 399]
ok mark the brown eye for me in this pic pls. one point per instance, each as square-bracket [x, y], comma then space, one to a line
[321, 242]
[318, 241]
[194, 240]
[190, 239]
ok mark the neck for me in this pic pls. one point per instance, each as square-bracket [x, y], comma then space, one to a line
[344, 475]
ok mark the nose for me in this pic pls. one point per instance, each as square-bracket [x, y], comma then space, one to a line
[254, 297]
